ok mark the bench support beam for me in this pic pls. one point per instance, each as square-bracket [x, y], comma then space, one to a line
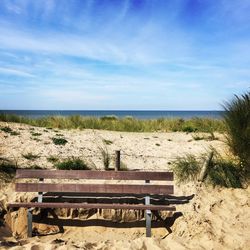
[40, 194]
[148, 215]
[29, 222]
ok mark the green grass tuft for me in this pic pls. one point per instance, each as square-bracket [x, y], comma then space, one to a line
[72, 164]
[106, 158]
[186, 168]
[221, 172]
[7, 171]
[30, 156]
[59, 141]
[6, 129]
[52, 159]
[36, 134]
[107, 142]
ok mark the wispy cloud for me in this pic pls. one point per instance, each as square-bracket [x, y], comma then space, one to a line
[123, 54]
[9, 71]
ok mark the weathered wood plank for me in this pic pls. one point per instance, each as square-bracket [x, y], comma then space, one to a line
[91, 205]
[95, 188]
[93, 174]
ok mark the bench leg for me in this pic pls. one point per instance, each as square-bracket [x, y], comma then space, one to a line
[148, 223]
[29, 219]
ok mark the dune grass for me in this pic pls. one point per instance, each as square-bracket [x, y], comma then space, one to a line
[237, 120]
[221, 172]
[128, 124]
[72, 164]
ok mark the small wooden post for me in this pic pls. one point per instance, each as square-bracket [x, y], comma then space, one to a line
[148, 214]
[205, 166]
[117, 160]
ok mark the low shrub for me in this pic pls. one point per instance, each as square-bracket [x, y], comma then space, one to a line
[59, 141]
[6, 129]
[72, 164]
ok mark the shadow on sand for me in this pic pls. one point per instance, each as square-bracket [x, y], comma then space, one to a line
[159, 222]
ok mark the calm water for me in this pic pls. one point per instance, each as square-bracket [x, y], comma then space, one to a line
[147, 114]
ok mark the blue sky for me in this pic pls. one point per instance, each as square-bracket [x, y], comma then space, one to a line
[123, 54]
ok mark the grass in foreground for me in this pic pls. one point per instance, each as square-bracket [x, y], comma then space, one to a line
[7, 170]
[237, 120]
[221, 172]
[128, 124]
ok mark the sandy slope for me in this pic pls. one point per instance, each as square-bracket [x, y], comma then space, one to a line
[215, 218]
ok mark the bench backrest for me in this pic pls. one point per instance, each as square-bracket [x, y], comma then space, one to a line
[145, 188]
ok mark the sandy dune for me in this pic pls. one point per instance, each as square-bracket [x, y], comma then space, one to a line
[215, 218]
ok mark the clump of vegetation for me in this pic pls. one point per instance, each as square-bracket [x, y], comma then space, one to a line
[72, 164]
[14, 133]
[186, 168]
[220, 172]
[157, 144]
[198, 138]
[52, 159]
[9, 131]
[107, 142]
[59, 141]
[106, 158]
[237, 120]
[7, 170]
[35, 139]
[224, 173]
[30, 156]
[59, 135]
[35, 166]
[189, 129]
[123, 166]
[36, 134]
[6, 129]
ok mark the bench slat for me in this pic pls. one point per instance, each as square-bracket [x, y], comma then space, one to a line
[95, 188]
[94, 174]
[91, 205]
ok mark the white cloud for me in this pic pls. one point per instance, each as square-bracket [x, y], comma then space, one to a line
[16, 72]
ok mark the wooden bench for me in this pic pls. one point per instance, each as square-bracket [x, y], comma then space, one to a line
[57, 191]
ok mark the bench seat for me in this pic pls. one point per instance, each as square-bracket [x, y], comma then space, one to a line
[90, 205]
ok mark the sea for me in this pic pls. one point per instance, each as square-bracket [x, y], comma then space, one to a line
[139, 114]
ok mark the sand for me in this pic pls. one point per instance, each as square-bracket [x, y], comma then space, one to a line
[215, 218]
